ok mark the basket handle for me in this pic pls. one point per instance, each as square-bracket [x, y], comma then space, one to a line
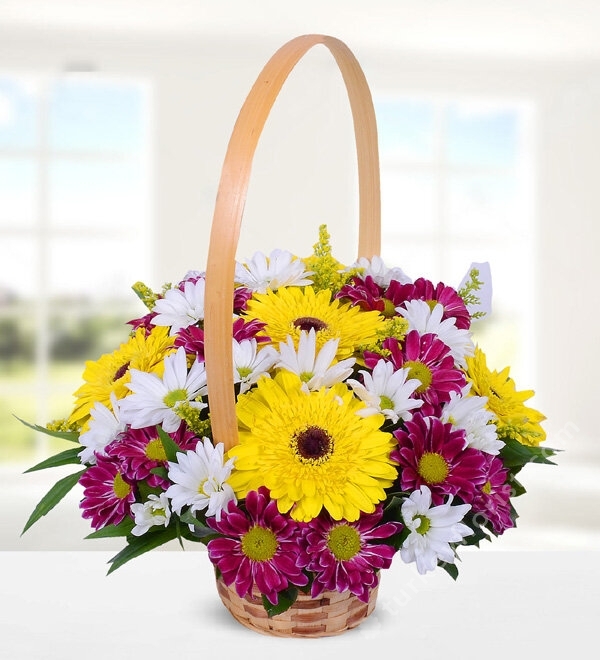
[231, 197]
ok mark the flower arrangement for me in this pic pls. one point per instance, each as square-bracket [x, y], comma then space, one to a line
[370, 425]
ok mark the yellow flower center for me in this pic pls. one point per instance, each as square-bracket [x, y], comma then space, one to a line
[120, 487]
[389, 309]
[486, 488]
[431, 304]
[175, 397]
[421, 372]
[309, 322]
[259, 544]
[424, 525]
[312, 445]
[432, 468]
[155, 450]
[344, 542]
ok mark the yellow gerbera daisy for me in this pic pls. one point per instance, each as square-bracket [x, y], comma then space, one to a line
[514, 419]
[290, 310]
[311, 450]
[110, 372]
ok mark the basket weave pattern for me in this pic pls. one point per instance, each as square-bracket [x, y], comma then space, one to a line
[330, 614]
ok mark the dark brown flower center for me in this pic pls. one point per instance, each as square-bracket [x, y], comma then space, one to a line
[313, 444]
[309, 322]
[121, 371]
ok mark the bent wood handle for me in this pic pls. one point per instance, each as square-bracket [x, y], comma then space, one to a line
[231, 197]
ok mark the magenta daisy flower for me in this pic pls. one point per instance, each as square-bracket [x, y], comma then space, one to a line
[139, 451]
[259, 547]
[422, 289]
[492, 500]
[428, 360]
[192, 337]
[366, 294]
[430, 453]
[107, 493]
[347, 555]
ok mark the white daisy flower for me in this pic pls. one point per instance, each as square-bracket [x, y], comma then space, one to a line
[387, 391]
[155, 511]
[104, 426]
[432, 529]
[249, 363]
[426, 320]
[315, 370]
[180, 309]
[281, 268]
[483, 305]
[156, 400]
[470, 413]
[381, 274]
[200, 480]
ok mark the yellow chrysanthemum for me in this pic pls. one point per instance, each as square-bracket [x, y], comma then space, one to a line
[311, 450]
[514, 419]
[110, 372]
[290, 310]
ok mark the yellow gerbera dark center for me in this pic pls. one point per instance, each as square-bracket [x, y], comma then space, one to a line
[344, 542]
[312, 444]
[259, 544]
[432, 468]
[155, 450]
[120, 487]
[121, 371]
[421, 372]
[309, 323]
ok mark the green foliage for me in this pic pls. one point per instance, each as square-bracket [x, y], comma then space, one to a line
[52, 498]
[287, 598]
[112, 531]
[138, 545]
[67, 457]
[514, 454]
[72, 436]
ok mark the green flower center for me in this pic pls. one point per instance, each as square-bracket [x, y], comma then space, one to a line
[344, 542]
[309, 322]
[432, 303]
[424, 525]
[385, 403]
[305, 376]
[421, 372]
[312, 445]
[244, 372]
[121, 371]
[175, 397]
[259, 544]
[155, 450]
[120, 487]
[433, 468]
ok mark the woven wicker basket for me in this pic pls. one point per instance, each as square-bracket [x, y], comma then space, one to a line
[333, 612]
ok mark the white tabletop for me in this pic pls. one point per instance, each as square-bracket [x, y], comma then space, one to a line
[164, 606]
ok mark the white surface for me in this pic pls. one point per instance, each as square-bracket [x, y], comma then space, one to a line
[61, 605]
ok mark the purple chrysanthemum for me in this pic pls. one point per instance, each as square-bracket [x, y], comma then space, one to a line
[141, 450]
[492, 500]
[192, 337]
[429, 360]
[430, 453]
[347, 555]
[107, 493]
[259, 547]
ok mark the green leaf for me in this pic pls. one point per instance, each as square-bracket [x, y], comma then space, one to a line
[111, 531]
[67, 457]
[200, 529]
[287, 598]
[169, 445]
[52, 498]
[138, 545]
[451, 569]
[72, 436]
[515, 454]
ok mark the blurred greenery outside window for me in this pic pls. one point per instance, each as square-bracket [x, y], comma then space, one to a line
[74, 235]
[457, 186]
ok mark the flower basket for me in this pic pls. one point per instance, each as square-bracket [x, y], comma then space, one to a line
[307, 421]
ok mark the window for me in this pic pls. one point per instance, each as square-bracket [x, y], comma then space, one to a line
[74, 234]
[457, 187]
